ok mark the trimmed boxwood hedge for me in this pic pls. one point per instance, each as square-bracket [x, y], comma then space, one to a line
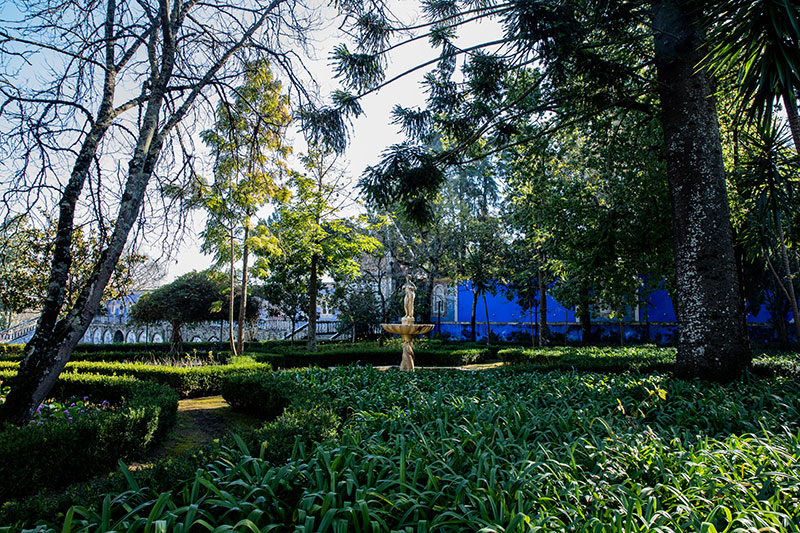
[336, 355]
[57, 452]
[9, 351]
[188, 381]
[593, 358]
[266, 395]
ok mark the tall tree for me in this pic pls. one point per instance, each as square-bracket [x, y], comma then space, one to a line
[312, 229]
[116, 83]
[711, 318]
[249, 149]
[593, 55]
[593, 196]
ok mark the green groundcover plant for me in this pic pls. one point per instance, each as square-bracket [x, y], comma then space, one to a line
[501, 450]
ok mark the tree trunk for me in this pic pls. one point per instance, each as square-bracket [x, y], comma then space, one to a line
[243, 299]
[488, 323]
[473, 335]
[787, 268]
[790, 104]
[231, 305]
[713, 341]
[779, 316]
[788, 288]
[586, 325]
[312, 305]
[176, 342]
[52, 343]
[544, 331]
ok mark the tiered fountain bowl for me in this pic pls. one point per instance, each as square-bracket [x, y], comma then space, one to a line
[408, 330]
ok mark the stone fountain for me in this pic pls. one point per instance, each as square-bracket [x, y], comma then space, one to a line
[407, 329]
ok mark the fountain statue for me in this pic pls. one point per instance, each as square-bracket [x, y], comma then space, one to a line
[407, 329]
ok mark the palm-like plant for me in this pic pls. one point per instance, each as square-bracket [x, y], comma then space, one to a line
[770, 173]
[759, 41]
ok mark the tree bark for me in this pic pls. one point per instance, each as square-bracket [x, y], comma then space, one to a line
[488, 323]
[243, 300]
[544, 331]
[312, 305]
[586, 325]
[176, 342]
[473, 334]
[231, 306]
[790, 104]
[713, 341]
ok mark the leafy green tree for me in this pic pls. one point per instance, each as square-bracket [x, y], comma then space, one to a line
[248, 144]
[313, 232]
[591, 56]
[590, 199]
[189, 299]
[23, 267]
[284, 283]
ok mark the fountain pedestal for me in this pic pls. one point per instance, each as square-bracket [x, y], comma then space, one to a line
[408, 330]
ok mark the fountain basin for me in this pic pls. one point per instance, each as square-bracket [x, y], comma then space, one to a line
[408, 329]
[408, 332]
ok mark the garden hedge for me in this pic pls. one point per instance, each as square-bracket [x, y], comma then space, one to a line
[59, 452]
[266, 395]
[130, 353]
[188, 381]
[337, 355]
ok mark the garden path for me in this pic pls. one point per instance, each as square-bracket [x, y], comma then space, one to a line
[200, 420]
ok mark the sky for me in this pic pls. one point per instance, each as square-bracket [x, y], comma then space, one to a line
[371, 133]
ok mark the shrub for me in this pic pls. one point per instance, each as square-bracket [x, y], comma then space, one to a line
[591, 358]
[297, 426]
[11, 352]
[266, 394]
[188, 382]
[59, 452]
[427, 354]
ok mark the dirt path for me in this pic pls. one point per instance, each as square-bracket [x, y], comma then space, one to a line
[200, 420]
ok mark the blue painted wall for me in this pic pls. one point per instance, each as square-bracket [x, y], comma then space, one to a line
[510, 322]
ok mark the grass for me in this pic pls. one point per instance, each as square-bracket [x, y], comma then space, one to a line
[510, 449]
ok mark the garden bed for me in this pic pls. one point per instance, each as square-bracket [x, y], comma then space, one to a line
[56, 451]
[506, 449]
